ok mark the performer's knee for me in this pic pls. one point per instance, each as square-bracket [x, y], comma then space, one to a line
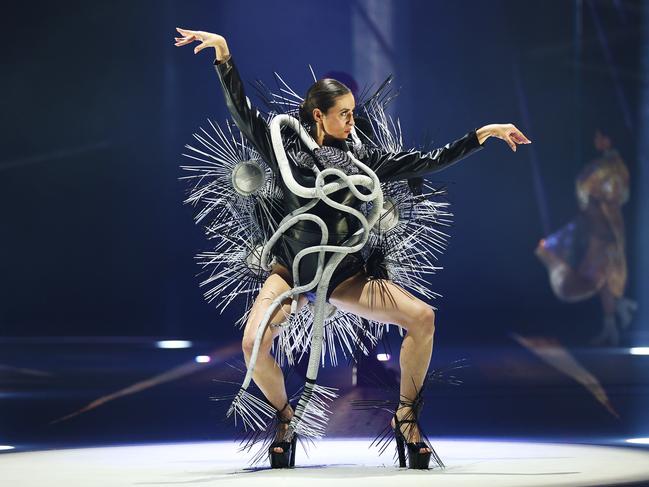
[423, 323]
[428, 318]
[248, 343]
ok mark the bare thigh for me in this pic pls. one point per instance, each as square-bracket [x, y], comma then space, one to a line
[381, 300]
[277, 283]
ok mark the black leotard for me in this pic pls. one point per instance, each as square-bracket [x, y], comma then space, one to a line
[388, 166]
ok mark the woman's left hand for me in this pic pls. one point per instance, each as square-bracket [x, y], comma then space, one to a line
[505, 131]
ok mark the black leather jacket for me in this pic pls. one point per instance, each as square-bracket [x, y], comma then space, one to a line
[388, 166]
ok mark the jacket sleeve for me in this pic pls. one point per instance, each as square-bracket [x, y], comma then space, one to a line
[395, 166]
[250, 122]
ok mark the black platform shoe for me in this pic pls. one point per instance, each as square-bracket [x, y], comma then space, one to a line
[416, 459]
[285, 459]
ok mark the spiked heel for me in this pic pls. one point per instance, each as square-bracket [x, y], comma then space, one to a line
[416, 459]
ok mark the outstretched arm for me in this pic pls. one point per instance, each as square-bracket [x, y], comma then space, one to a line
[394, 166]
[251, 123]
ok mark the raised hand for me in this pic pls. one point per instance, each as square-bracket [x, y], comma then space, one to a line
[206, 39]
[505, 131]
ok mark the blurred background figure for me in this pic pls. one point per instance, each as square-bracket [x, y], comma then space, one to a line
[586, 257]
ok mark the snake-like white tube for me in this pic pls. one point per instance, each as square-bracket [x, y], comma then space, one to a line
[334, 248]
[324, 271]
[319, 308]
[295, 291]
[284, 166]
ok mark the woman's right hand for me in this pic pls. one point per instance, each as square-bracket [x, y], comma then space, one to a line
[206, 39]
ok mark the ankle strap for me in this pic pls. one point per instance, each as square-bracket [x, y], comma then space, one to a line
[419, 399]
[415, 406]
[279, 414]
[397, 420]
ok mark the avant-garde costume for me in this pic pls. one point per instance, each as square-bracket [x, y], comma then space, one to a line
[586, 256]
[325, 213]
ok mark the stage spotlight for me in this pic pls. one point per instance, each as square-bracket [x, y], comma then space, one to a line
[639, 350]
[173, 344]
[202, 359]
[382, 357]
[6, 447]
[638, 441]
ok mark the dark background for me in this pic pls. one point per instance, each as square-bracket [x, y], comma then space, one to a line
[98, 103]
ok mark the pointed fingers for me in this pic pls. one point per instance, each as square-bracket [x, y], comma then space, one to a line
[200, 47]
[182, 41]
[523, 138]
[518, 137]
[511, 142]
[185, 32]
[196, 33]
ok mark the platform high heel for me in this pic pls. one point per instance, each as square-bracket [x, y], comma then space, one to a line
[285, 459]
[416, 459]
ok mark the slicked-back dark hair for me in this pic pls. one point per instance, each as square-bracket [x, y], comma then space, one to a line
[322, 94]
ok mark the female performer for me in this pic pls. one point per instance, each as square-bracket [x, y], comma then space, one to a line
[328, 112]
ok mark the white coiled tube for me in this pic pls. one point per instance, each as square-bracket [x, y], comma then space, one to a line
[324, 271]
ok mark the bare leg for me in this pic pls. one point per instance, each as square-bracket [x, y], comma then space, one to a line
[384, 301]
[267, 374]
[567, 283]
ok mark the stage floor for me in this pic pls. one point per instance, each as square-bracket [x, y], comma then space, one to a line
[345, 462]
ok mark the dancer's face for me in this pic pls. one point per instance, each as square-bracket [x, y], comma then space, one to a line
[339, 119]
